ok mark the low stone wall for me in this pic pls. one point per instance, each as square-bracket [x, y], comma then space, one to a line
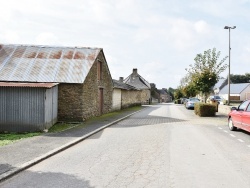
[130, 98]
[145, 96]
[224, 109]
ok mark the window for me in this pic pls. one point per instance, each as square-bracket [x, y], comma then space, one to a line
[248, 108]
[99, 70]
[243, 106]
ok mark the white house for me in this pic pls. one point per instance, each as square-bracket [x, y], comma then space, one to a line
[219, 85]
[240, 91]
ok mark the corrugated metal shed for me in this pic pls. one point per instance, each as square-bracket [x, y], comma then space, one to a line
[26, 63]
[27, 109]
[18, 84]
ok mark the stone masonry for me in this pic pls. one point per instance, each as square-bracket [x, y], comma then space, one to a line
[77, 102]
[131, 98]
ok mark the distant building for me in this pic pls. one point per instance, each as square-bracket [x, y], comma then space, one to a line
[155, 96]
[238, 92]
[164, 96]
[219, 85]
[140, 83]
[161, 95]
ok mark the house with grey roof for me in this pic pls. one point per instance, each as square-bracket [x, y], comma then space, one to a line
[238, 92]
[140, 83]
[81, 74]
[164, 96]
[219, 85]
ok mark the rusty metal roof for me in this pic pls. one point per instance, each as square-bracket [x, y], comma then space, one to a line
[19, 84]
[27, 63]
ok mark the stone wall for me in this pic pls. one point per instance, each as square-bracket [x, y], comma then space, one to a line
[70, 102]
[224, 109]
[91, 88]
[145, 96]
[77, 102]
[131, 98]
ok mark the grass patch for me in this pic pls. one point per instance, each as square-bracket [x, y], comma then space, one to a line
[8, 138]
[58, 127]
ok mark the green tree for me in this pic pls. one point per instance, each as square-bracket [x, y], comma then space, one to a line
[171, 92]
[204, 73]
[189, 90]
[236, 78]
[178, 94]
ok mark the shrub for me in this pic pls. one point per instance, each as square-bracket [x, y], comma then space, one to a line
[177, 101]
[204, 109]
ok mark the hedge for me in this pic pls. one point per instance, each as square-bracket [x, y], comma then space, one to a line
[204, 109]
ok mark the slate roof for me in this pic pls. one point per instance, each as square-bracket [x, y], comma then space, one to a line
[234, 88]
[162, 91]
[219, 83]
[121, 85]
[29, 63]
[137, 81]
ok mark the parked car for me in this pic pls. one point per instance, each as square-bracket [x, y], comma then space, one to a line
[190, 102]
[183, 100]
[239, 117]
[217, 98]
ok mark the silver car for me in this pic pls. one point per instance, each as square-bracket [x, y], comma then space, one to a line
[190, 103]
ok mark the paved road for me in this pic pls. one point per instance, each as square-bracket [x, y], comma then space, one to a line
[162, 146]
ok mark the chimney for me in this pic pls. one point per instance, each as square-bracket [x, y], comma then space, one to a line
[121, 79]
[135, 72]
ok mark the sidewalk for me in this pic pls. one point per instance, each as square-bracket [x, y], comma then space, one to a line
[23, 154]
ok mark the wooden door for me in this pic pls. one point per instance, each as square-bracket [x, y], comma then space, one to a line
[101, 101]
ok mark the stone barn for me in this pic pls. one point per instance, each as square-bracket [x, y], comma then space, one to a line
[82, 74]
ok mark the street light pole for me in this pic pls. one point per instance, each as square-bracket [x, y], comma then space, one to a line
[229, 28]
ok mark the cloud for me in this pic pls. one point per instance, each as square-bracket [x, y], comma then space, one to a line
[9, 36]
[47, 38]
[160, 38]
[201, 27]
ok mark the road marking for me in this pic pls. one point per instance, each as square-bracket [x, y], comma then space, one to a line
[240, 140]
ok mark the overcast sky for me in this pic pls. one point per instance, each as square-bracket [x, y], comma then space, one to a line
[158, 37]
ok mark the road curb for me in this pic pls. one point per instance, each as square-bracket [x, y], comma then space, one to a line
[37, 160]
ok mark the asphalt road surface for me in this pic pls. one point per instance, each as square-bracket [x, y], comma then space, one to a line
[162, 146]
